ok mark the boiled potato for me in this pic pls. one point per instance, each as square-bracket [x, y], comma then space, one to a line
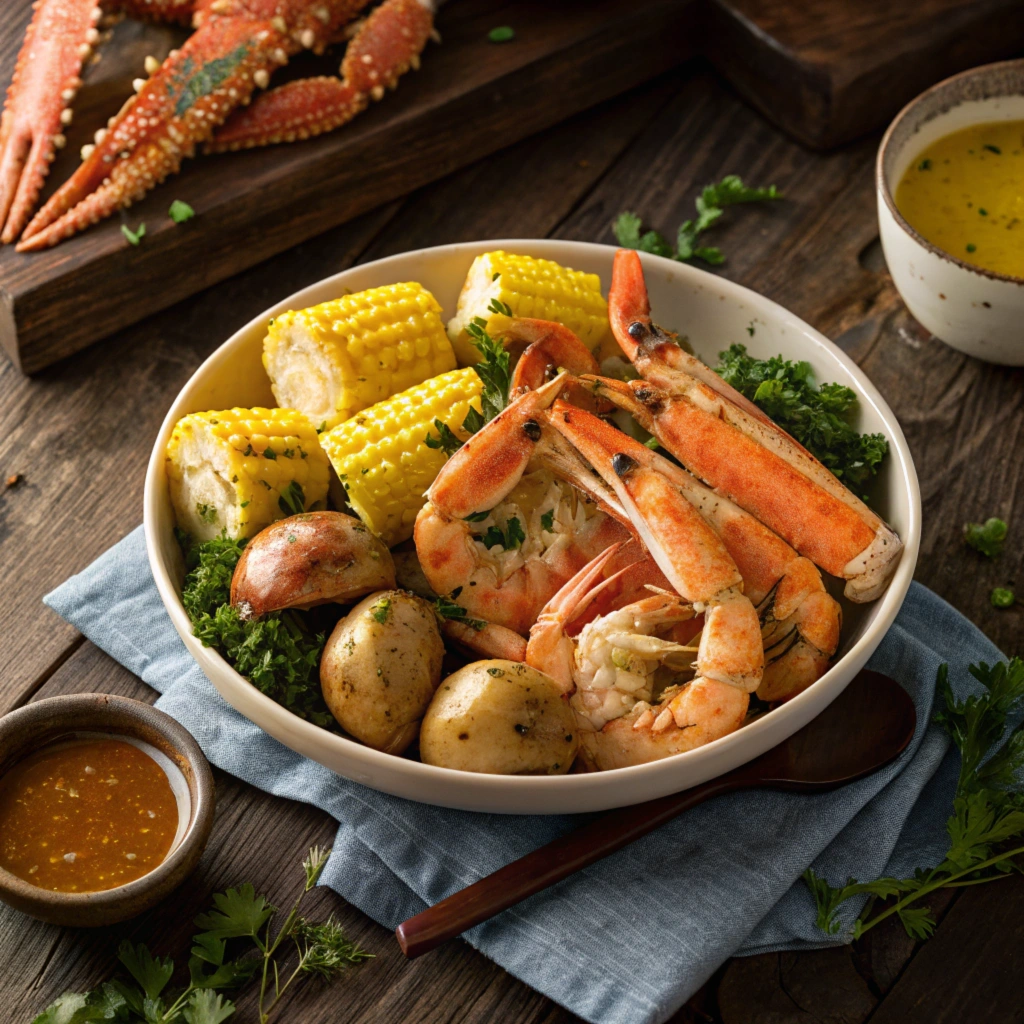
[501, 718]
[380, 667]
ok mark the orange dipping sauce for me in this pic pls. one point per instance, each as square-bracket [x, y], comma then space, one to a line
[85, 816]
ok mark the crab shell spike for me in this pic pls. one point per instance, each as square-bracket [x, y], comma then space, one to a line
[45, 80]
[381, 50]
[177, 107]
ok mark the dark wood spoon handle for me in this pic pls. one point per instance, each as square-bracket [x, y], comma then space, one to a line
[549, 864]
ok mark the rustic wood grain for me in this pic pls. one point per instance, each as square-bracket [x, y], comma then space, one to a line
[471, 98]
[81, 433]
[827, 71]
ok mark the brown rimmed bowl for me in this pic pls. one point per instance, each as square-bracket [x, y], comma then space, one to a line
[82, 715]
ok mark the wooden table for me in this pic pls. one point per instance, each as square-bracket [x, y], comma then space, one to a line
[81, 433]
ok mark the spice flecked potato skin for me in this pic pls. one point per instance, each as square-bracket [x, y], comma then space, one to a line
[380, 668]
[499, 718]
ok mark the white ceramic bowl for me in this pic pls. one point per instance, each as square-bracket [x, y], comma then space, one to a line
[712, 313]
[974, 310]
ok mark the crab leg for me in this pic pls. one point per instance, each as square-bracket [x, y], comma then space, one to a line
[757, 465]
[59, 37]
[386, 45]
[190, 94]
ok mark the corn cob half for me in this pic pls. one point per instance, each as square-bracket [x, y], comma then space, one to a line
[381, 455]
[331, 360]
[499, 282]
[241, 469]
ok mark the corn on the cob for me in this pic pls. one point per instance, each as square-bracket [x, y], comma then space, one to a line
[381, 455]
[241, 469]
[528, 287]
[331, 360]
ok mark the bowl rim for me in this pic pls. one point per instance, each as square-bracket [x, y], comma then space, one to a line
[491, 786]
[882, 186]
[128, 711]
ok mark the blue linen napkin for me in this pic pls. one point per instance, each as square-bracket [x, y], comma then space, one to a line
[628, 940]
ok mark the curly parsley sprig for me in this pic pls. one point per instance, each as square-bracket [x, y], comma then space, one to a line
[711, 204]
[987, 823]
[495, 373]
[144, 998]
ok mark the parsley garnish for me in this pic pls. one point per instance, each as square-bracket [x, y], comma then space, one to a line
[135, 236]
[924, 165]
[181, 212]
[493, 370]
[446, 608]
[1002, 597]
[711, 204]
[512, 536]
[986, 537]
[292, 501]
[547, 521]
[380, 610]
[143, 997]
[208, 513]
[501, 34]
[817, 417]
[992, 149]
[988, 808]
[276, 653]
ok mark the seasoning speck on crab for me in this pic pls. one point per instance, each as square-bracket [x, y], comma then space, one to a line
[499, 718]
[309, 559]
[380, 668]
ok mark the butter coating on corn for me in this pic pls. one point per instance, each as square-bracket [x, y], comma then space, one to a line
[331, 360]
[241, 469]
[381, 455]
[529, 287]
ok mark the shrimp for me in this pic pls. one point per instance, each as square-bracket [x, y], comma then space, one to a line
[741, 453]
[613, 675]
[502, 525]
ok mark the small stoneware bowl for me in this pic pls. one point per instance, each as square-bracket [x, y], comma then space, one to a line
[93, 715]
[974, 310]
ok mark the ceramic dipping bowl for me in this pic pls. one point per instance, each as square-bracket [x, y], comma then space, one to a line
[974, 310]
[96, 715]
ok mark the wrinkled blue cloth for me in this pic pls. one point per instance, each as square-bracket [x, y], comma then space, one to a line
[628, 940]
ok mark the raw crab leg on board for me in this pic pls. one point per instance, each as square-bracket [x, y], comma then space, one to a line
[235, 48]
[744, 456]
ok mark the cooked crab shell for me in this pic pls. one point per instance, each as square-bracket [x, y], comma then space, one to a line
[380, 667]
[309, 559]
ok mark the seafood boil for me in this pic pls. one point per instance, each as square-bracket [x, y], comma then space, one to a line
[207, 92]
[544, 538]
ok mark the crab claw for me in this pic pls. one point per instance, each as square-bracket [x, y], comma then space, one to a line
[60, 36]
[216, 69]
[386, 45]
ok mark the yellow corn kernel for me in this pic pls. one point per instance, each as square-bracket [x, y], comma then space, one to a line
[239, 470]
[528, 287]
[381, 454]
[331, 360]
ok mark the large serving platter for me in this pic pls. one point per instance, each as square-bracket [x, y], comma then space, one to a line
[712, 313]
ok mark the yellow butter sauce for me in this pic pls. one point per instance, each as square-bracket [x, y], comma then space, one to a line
[965, 194]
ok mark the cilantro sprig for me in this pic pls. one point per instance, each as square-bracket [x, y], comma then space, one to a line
[495, 373]
[818, 417]
[143, 997]
[277, 653]
[711, 204]
[987, 824]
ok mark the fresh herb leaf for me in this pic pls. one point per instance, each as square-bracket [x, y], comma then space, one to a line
[205, 1006]
[276, 653]
[711, 204]
[494, 537]
[135, 236]
[208, 513]
[181, 212]
[499, 308]
[237, 913]
[988, 807]
[819, 418]
[992, 149]
[152, 973]
[446, 608]
[380, 610]
[514, 534]
[476, 517]
[987, 537]
[1003, 597]
[292, 501]
[501, 34]
[445, 439]
[493, 369]
[547, 520]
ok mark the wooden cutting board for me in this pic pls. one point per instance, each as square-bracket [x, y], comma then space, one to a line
[825, 70]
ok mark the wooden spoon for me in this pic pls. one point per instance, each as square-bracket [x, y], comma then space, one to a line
[868, 725]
